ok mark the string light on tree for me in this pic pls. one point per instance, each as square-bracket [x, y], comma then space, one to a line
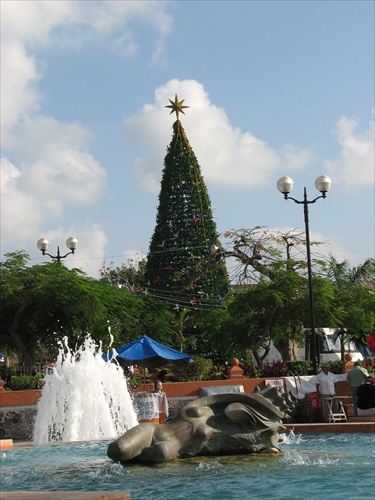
[185, 229]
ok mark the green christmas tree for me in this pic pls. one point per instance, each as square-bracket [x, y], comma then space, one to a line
[180, 267]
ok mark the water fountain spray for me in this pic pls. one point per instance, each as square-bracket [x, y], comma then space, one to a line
[83, 398]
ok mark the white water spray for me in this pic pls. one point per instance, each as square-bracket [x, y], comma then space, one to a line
[84, 398]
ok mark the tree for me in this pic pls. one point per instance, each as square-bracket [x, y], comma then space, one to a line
[272, 299]
[181, 317]
[129, 276]
[273, 309]
[251, 251]
[185, 231]
[354, 298]
[271, 302]
[41, 304]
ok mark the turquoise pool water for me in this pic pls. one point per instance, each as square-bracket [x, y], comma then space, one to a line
[311, 467]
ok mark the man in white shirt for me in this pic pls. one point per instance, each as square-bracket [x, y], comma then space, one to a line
[326, 387]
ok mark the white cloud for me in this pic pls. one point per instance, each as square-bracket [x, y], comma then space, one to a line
[55, 164]
[55, 171]
[29, 25]
[228, 156]
[21, 210]
[46, 164]
[20, 97]
[73, 23]
[355, 167]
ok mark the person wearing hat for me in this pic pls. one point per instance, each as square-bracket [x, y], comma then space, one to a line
[326, 387]
[356, 377]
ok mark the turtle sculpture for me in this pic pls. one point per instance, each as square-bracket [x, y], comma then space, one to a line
[223, 424]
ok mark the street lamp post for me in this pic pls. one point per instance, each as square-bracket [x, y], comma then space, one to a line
[71, 243]
[322, 184]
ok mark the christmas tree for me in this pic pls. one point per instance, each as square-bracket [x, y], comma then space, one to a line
[180, 266]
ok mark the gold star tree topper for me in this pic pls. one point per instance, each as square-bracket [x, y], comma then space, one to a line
[177, 106]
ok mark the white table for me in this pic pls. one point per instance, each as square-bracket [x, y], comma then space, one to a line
[340, 416]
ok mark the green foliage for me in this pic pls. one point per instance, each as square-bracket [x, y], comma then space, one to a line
[337, 367]
[7, 371]
[199, 370]
[275, 306]
[129, 276]
[179, 256]
[354, 296]
[299, 367]
[276, 369]
[44, 303]
[25, 382]
[369, 364]
[251, 370]
[134, 381]
[217, 375]
[253, 316]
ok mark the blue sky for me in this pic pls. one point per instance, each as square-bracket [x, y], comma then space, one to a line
[274, 88]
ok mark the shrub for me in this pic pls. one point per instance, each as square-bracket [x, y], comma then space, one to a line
[300, 367]
[337, 367]
[199, 370]
[276, 369]
[7, 371]
[251, 370]
[369, 364]
[217, 374]
[133, 381]
[25, 382]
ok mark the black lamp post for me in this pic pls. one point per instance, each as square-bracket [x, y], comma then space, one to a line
[71, 243]
[322, 184]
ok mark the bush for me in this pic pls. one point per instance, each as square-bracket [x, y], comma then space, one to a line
[133, 381]
[300, 367]
[25, 382]
[251, 370]
[369, 364]
[337, 367]
[276, 369]
[217, 374]
[199, 370]
[7, 371]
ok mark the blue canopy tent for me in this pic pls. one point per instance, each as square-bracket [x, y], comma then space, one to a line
[149, 354]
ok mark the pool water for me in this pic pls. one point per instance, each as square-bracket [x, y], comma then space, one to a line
[311, 467]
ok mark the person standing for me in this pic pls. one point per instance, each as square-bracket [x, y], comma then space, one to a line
[356, 377]
[326, 387]
[163, 401]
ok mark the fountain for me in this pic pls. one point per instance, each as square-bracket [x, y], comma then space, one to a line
[83, 398]
[311, 466]
[86, 399]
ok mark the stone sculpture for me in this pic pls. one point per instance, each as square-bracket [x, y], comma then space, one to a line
[213, 425]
